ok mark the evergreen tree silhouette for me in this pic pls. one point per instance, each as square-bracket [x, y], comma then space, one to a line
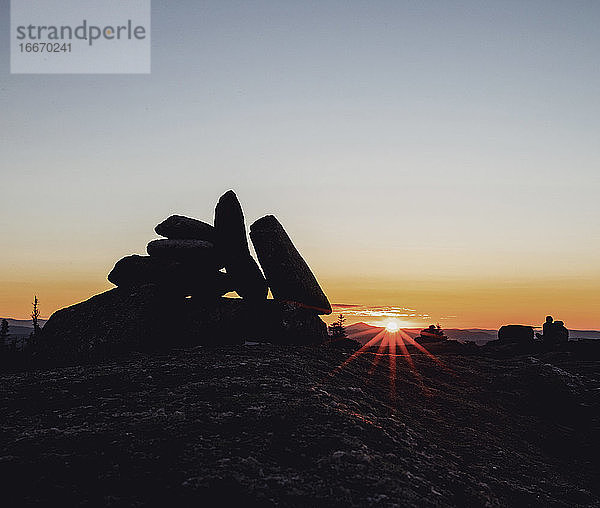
[35, 315]
[337, 331]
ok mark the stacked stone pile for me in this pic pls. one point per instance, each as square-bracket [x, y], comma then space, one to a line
[173, 296]
[188, 260]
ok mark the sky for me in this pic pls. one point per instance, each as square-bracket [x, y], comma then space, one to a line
[433, 155]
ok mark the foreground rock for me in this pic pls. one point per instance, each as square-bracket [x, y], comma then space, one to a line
[288, 275]
[178, 227]
[147, 318]
[233, 246]
[258, 426]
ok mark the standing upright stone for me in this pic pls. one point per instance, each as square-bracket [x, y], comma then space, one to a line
[288, 275]
[232, 244]
[230, 228]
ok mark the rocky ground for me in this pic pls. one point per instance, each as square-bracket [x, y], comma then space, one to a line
[262, 425]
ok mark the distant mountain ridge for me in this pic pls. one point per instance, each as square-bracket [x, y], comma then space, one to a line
[21, 328]
[23, 322]
[361, 331]
[364, 332]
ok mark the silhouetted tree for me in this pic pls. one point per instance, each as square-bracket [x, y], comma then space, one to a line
[338, 337]
[337, 331]
[35, 315]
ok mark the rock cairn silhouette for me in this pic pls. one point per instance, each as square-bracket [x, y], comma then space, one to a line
[174, 295]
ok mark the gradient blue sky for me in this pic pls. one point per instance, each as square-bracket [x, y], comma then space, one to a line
[411, 149]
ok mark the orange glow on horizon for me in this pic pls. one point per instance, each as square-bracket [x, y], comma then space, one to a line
[474, 303]
[453, 304]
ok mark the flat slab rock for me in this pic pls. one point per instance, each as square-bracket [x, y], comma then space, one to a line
[190, 251]
[181, 278]
[179, 227]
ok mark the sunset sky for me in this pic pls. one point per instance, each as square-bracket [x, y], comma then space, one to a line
[432, 155]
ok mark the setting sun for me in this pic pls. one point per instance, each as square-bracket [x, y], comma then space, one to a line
[392, 326]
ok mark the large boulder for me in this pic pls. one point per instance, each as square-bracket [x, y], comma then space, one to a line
[139, 319]
[515, 333]
[191, 251]
[187, 279]
[232, 244]
[146, 318]
[288, 275]
[178, 227]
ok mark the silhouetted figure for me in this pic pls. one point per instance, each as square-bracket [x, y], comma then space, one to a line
[554, 332]
[560, 331]
[547, 328]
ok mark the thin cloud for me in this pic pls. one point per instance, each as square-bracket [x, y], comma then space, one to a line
[380, 311]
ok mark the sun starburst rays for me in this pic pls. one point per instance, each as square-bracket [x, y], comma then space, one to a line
[393, 342]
